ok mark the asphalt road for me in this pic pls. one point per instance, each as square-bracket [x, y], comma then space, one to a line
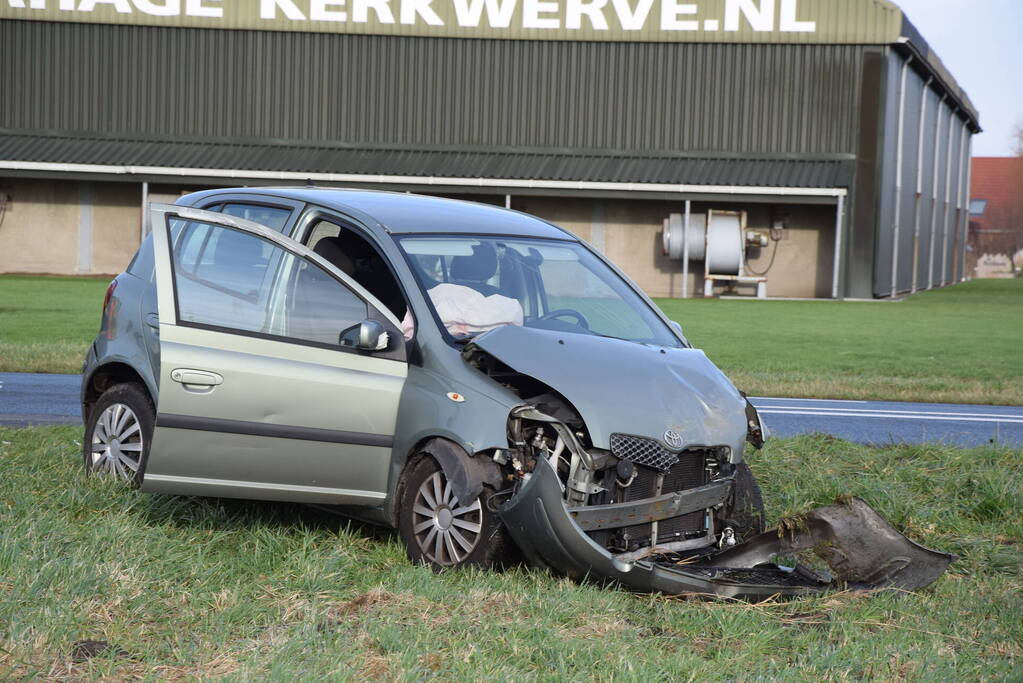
[31, 399]
[28, 399]
[880, 422]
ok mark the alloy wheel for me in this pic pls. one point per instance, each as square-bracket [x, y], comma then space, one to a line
[116, 448]
[445, 531]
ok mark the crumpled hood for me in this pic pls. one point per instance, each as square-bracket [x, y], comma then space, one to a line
[623, 387]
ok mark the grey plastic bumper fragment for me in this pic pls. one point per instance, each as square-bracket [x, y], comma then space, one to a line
[871, 556]
[861, 548]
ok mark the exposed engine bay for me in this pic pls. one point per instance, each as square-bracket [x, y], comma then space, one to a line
[635, 497]
[683, 520]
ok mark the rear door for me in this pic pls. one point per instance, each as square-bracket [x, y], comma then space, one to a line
[258, 397]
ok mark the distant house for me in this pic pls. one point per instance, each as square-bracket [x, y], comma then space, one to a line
[996, 216]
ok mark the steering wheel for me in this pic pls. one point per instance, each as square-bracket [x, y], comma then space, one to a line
[567, 312]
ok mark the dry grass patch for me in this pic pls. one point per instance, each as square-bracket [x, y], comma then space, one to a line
[938, 388]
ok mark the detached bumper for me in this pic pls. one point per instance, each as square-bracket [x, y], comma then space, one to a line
[868, 552]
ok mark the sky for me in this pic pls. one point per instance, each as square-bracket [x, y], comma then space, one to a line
[981, 43]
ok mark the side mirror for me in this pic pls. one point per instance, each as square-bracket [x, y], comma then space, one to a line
[369, 335]
[678, 328]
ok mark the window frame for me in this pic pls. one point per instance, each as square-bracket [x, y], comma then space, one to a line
[215, 204]
[314, 213]
[279, 241]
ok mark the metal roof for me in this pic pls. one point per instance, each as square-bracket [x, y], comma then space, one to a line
[612, 166]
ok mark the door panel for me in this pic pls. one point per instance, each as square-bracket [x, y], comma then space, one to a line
[257, 398]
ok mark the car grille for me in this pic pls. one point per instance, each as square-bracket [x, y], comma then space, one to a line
[642, 451]
[689, 471]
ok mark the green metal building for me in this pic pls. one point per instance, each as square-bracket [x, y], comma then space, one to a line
[829, 123]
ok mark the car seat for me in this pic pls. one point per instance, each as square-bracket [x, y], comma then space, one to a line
[474, 271]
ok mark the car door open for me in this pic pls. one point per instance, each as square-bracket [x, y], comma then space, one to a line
[279, 376]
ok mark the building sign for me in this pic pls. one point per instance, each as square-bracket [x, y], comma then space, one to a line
[759, 21]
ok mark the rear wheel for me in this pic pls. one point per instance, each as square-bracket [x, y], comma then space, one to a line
[442, 531]
[746, 511]
[118, 434]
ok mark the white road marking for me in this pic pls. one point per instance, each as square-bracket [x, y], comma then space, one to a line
[888, 416]
[807, 400]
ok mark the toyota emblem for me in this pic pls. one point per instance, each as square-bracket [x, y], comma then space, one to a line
[673, 439]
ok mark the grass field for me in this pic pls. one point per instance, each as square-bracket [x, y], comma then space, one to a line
[199, 588]
[961, 345]
[47, 323]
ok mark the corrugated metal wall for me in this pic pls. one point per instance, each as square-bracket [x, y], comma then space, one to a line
[149, 81]
[921, 234]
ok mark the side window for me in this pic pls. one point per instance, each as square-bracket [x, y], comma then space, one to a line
[234, 280]
[353, 255]
[319, 308]
[272, 217]
[191, 245]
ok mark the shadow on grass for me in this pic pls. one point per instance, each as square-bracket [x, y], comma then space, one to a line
[229, 514]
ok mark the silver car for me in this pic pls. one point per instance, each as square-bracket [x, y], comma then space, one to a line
[477, 378]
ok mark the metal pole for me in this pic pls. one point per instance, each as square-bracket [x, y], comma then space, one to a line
[959, 201]
[685, 251]
[145, 211]
[839, 217]
[507, 201]
[968, 189]
[919, 184]
[898, 179]
[948, 198]
[934, 194]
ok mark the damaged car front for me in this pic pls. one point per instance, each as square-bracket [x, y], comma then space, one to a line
[625, 455]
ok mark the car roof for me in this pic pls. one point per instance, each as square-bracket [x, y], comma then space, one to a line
[403, 213]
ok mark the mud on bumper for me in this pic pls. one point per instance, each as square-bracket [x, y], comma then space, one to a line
[861, 548]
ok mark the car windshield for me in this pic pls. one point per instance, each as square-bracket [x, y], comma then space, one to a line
[478, 283]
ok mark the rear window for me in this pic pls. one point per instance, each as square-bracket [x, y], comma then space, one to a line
[272, 217]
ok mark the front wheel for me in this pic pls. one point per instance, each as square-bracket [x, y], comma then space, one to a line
[442, 531]
[118, 434]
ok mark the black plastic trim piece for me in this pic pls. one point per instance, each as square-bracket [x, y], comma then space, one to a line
[216, 424]
[667, 506]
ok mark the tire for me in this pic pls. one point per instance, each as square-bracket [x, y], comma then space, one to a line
[119, 433]
[434, 530]
[746, 511]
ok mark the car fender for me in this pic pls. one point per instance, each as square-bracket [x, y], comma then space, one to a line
[98, 365]
[464, 409]
[467, 474]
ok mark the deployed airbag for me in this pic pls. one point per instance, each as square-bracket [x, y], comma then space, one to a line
[465, 311]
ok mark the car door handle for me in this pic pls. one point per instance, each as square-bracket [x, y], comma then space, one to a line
[196, 377]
